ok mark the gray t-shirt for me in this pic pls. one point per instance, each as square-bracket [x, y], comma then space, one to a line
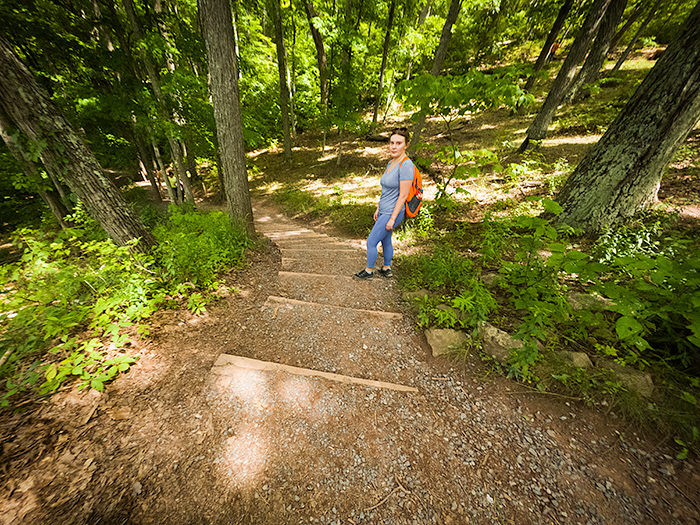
[390, 185]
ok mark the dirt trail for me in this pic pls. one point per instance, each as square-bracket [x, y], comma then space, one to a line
[188, 438]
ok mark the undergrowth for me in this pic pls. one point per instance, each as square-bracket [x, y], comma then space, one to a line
[65, 306]
[649, 323]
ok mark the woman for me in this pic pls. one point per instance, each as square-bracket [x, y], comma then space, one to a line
[396, 183]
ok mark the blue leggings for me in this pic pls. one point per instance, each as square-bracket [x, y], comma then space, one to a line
[380, 234]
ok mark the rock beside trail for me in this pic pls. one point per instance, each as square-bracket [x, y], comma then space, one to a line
[584, 301]
[410, 297]
[443, 341]
[497, 343]
[631, 378]
[578, 359]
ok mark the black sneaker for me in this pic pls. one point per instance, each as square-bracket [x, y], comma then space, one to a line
[385, 273]
[364, 274]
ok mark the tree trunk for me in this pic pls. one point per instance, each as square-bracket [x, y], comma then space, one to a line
[440, 54]
[621, 174]
[385, 55]
[172, 194]
[638, 11]
[596, 58]
[30, 170]
[217, 27]
[424, 11]
[630, 46]
[31, 109]
[551, 38]
[220, 177]
[147, 160]
[282, 70]
[178, 165]
[538, 129]
[322, 64]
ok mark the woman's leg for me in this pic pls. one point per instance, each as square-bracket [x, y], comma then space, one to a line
[387, 245]
[377, 235]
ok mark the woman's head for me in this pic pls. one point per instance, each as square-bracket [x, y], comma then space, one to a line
[403, 132]
[398, 141]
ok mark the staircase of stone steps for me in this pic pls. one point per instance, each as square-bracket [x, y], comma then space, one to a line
[322, 318]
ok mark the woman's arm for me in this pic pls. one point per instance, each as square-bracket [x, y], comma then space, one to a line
[404, 188]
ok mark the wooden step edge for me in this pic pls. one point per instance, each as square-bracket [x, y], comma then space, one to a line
[377, 313]
[324, 275]
[226, 362]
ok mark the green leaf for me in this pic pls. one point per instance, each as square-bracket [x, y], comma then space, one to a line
[685, 396]
[97, 385]
[51, 373]
[551, 206]
[627, 326]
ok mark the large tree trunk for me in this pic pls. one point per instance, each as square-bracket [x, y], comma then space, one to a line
[551, 38]
[31, 109]
[217, 27]
[621, 174]
[385, 55]
[440, 54]
[596, 58]
[282, 70]
[322, 64]
[538, 129]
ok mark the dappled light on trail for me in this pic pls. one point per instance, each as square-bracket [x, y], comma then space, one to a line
[244, 456]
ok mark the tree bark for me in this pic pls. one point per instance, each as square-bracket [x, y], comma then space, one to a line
[636, 36]
[31, 109]
[385, 55]
[621, 174]
[217, 27]
[440, 54]
[638, 11]
[551, 38]
[538, 129]
[30, 170]
[596, 58]
[282, 70]
[322, 63]
[147, 160]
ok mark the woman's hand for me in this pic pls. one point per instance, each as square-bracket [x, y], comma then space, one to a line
[390, 224]
[376, 214]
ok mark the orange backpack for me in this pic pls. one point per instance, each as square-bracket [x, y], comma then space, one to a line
[415, 194]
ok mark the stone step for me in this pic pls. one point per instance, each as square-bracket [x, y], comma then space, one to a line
[340, 263]
[339, 290]
[352, 342]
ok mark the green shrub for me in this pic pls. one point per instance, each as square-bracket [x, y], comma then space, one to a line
[194, 247]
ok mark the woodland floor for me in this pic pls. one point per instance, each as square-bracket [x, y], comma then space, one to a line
[185, 438]
[180, 440]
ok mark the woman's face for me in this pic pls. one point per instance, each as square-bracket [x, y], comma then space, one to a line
[397, 145]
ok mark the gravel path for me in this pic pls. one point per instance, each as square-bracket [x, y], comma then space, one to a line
[460, 451]
[182, 441]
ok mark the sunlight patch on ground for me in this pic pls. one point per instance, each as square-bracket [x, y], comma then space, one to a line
[578, 139]
[249, 386]
[244, 457]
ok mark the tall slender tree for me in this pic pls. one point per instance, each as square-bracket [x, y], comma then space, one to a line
[282, 69]
[551, 38]
[538, 129]
[321, 59]
[440, 54]
[217, 26]
[596, 57]
[385, 55]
